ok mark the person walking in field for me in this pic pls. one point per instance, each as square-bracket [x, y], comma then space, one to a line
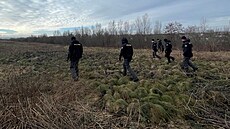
[154, 48]
[74, 55]
[187, 53]
[127, 52]
[168, 50]
[160, 45]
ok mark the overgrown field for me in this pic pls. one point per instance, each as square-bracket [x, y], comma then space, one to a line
[36, 90]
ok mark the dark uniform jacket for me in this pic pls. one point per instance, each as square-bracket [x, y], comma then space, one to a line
[160, 45]
[154, 46]
[126, 52]
[187, 49]
[75, 51]
[168, 47]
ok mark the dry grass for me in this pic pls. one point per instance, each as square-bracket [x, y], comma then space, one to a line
[37, 92]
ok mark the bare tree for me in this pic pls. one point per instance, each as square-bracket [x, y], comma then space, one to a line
[98, 29]
[143, 25]
[146, 24]
[88, 31]
[174, 28]
[138, 26]
[120, 27]
[126, 27]
[157, 27]
[132, 29]
[227, 27]
[56, 33]
[192, 29]
[93, 30]
[203, 25]
[67, 33]
[112, 28]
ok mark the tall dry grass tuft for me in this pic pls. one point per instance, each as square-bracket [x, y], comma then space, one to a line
[33, 104]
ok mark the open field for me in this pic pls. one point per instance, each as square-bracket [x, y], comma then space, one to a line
[36, 90]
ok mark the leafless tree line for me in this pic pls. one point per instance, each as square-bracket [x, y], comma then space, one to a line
[140, 32]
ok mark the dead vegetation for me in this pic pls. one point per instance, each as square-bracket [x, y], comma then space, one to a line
[37, 92]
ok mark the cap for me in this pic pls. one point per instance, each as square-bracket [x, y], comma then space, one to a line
[73, 38]
[124, 40]
[183, 37]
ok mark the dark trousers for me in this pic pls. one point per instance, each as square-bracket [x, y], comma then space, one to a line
[187, 63]
[127, 67]
[161, 49]
[74, 69]
[155, 55]
[167, 55]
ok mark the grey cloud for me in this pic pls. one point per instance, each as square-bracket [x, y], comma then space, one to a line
[41, 13]
[32, 15]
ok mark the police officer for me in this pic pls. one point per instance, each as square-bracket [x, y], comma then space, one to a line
[154, 48]
[74, 55]
[127, 53]
[187, 53]
[168, 50]
[160, 45]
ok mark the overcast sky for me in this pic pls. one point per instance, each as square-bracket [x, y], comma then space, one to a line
[27, 17]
